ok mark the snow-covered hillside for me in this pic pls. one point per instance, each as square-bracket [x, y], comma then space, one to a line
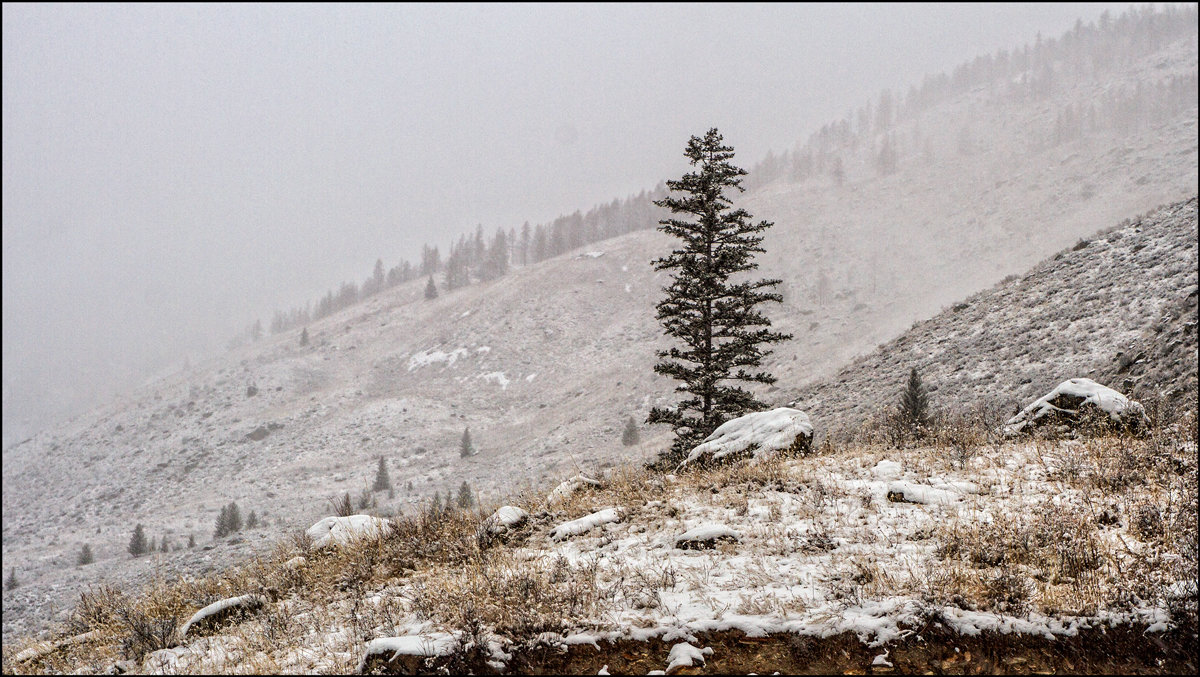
[1081, 313]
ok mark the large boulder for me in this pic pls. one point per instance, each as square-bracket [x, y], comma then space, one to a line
[333, 531]
[1075, 402]
[758, 436]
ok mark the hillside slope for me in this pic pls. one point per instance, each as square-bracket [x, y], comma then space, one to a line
[545, 364]
[1079, 313]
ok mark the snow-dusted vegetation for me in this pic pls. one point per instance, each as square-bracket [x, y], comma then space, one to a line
[1030, 538]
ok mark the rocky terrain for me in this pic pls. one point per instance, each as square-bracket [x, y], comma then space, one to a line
[545, 364]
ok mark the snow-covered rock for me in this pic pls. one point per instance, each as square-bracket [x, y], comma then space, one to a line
[684, 655]
[217, 612]
[568, 488]
[585, 523]
[342, 530]
[1071, 399]
[410, 650]
[761, 434]
[505, 520]
[706, 536]
[887, 470]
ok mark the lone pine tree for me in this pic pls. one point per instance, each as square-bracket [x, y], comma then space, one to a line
[383, 482]
[914, 405]
[715, 317]
[465, 448]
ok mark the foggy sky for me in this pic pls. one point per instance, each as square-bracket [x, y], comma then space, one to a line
[172, 173]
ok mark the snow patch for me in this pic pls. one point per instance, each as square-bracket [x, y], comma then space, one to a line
[684, 655]
[496, 377]
[564, 491]
[431, 356]
[585, 523]
[247, 601]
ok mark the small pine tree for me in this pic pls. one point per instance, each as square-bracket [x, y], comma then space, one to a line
[252, 520]
[12, 581]
[630, 436]
[137, 543]
[191, 540]
[304, 337]
[914, 405]
[465, 449]
[222, 528]
[85, 555]
[466, 499]
[366, 500]
[235, 518]
[153, 547]
[382, 481]
[430, 289]
[435, 507]
[162, 546]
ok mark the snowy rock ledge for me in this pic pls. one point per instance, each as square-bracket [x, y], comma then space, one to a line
[706, 536]
[1071, 400]
[568, 488]
[218, 612]
[585, 524]
[410, 650]
[761, 435]
[342, 530]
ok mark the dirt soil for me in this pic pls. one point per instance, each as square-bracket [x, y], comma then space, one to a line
[932, 650]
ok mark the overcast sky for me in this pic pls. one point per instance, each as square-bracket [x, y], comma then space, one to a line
[173, 172]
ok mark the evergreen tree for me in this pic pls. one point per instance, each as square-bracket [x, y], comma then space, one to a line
[191, 540]
[630, 435]
[252, 520]
[235, 518]
[222, 529]
[304, 337]
[435, 508]
[256, 331]
[12, 581]
[914, 405]
[343, 507]
[466, 500]
[85, 555]
[163, 547]
[430, 289]
[137, 543]
[715, 319]
[465, 448]
[382, 481]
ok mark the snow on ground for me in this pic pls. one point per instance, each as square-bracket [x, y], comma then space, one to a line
[496, 377]
[433, 356]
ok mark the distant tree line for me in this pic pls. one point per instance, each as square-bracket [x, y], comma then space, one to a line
[1034, 72]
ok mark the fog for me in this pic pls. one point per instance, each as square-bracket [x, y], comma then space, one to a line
[172, 173]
